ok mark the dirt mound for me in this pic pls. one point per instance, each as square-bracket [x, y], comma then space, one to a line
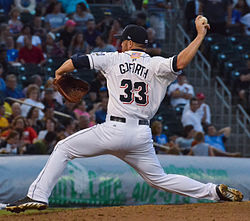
[190, 212]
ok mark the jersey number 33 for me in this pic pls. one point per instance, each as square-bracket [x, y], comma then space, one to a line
[137, 92]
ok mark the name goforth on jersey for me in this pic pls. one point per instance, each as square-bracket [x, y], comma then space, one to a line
[136, 82]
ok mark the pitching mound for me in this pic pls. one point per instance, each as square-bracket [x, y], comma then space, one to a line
[191, 212]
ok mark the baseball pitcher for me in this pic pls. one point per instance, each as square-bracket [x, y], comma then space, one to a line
[137, 84]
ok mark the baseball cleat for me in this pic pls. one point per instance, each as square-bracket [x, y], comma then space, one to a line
[24, 204]
[228, 194]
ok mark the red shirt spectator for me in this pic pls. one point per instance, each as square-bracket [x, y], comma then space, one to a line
[30, 53]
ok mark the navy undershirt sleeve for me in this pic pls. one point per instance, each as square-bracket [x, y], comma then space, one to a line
[174, 64]
[80, 61]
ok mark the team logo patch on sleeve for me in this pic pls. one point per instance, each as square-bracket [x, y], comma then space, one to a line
[135, 55]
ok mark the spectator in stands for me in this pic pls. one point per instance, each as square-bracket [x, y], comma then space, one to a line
[204, 149]
[91, 33]
[33, 96]
[81, 16]
[191, 117]
[242, 88]
[34, 79]
[102, 46]
[4, 33]
[38, 29]
[104, 26]
[141, 20]
[239, 10]
[84, 122]
[81, 109]
[14, 23]
[162, 139]
[218, 13]
[50, 126]
[12, 52]
[27, 6]
[102, 112]
[216, 138]
[185, 142]
[156, 11]
[180, 92]
[43, 146]
[49, 113]
[27, 133]
[2, 82]
[56, 19]
[32, 119]
[68, 108]
[16, 111]
[67, 34]
[96, 84]
[158, 136]
[3, 57]
[103, 92]
[116, 29]
[56, 95]
[245, 20]
[28, 31]
[153, 48]
[70, 5]
[30, 54]
[49, 101]
[52, 48]
[203, 111]
[4, 123]
[70, 126]
[78, 44]
[12, 89]
[11, 143]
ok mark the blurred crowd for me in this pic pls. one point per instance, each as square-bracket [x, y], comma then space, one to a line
[34, 116]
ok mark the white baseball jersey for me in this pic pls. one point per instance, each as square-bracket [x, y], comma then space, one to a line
[137, 83]
[186, 88]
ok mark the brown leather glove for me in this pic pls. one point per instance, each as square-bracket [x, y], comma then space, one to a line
[71, 88]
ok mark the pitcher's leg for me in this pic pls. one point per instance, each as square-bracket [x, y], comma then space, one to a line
[41, 188]
[79, 144]
[148, 166]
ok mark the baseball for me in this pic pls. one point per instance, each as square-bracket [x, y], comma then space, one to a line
[204, 20]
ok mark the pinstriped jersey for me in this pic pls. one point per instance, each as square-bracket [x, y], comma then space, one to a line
[136, 82]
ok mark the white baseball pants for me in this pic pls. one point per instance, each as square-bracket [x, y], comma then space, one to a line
[128, 141]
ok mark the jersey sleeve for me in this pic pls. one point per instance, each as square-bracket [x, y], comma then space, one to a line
[102, 61]
[166, 68]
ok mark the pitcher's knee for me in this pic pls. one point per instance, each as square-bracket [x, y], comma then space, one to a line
[63, 147]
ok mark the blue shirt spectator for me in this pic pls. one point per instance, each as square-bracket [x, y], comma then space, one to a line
[11, 89]
[161, 139]
[217, 138]
[12, 55]
[216, 141]
[70, 5]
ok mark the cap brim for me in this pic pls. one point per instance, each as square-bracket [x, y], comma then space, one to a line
[118, 36]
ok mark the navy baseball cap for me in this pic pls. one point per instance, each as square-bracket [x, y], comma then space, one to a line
[135, 33]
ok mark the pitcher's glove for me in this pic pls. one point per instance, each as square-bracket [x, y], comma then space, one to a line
[71, 88]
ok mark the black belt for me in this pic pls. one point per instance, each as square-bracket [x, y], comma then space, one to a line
[123, 120]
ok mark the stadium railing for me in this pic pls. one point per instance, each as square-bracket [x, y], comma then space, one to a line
[242, 129]
[222, 113]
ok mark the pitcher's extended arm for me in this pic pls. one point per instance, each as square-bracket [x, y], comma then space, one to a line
[186, 55]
